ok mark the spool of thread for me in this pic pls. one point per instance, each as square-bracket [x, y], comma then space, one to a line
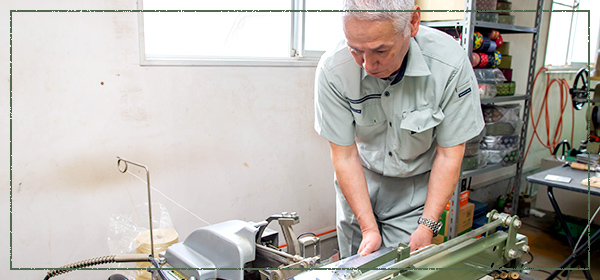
[499, 41]
[497, 59]
[163, 238]
[477, 40]
[484, 60]
[492, 47]
[475, 60]
[494, 34]
[490, 60]
[485, 45]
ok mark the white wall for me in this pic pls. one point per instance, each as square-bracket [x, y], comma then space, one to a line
[225, 142]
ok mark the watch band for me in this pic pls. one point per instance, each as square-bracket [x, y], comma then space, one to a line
[434, 226]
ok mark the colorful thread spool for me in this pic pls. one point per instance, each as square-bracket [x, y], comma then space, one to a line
[492, 47]
[475, 60]
[485, 45]
[483, 61]
[497, 59]
[490, 60]
[477, 40]
[499, 41]
[494, 34]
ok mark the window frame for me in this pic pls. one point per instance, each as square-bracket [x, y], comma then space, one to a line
[298, 55]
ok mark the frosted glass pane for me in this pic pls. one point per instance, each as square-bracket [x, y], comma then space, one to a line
[205, 34]
[562, 50]
[323, 29]
[558, 37]
[580, 41]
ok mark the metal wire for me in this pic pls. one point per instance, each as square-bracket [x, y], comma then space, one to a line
[125, 162]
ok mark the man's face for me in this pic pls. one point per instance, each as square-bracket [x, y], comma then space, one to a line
[376, 46]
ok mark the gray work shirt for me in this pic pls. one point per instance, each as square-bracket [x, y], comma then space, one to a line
[396, 126]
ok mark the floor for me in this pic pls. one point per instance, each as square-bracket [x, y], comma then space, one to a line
[550, 249]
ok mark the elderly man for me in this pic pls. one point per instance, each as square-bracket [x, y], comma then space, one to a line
[397, 102]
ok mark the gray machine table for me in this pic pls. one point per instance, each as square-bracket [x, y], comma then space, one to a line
[577, 176]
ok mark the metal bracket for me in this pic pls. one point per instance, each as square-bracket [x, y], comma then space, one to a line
[286, 221]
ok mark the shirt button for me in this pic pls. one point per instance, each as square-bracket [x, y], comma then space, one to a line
[390, 153]
[387, 93]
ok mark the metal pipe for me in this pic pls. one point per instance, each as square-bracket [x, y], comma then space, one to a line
[379, 274]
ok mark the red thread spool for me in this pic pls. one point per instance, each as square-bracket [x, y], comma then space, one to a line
[499, 41]
[475, 59]
[484, 60]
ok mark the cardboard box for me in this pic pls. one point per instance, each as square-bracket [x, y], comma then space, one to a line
[441, 5]
[506, 62]
[506, 19]
[465, 219]
[464, 199]
[504, 49]
[464, 225]
[503, 5]
[489, 17]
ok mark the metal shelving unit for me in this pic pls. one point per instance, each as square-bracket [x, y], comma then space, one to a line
[467, 27]
[501, 99]
[508, 29]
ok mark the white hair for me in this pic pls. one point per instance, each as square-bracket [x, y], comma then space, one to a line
[400, 20]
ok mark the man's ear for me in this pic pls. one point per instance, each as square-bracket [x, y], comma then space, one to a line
[415, 21]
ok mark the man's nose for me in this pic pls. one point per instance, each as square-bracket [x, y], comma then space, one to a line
[369, 62]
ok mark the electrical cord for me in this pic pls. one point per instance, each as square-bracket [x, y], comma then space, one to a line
[585, 229]
[530, 261]
[551, 142]
[98, 261]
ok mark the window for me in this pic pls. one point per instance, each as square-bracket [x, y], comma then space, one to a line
[197, 36]
[568, 33]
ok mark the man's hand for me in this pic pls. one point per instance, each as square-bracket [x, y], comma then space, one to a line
[420, 238]
[371, 241]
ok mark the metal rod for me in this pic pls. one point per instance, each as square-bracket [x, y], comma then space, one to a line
[149, 199]
[276, 252]
[379, 274]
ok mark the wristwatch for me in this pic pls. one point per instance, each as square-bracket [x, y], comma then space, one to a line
[435, 227]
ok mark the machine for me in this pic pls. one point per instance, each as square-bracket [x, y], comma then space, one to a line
[233, 250]
[237, 250]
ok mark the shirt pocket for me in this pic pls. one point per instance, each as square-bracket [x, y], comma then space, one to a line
[417, 132]
[368, 112]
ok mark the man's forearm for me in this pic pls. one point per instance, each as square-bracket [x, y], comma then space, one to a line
[442, 180]
[352, 182]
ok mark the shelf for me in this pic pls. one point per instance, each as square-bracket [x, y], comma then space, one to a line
[503, 28]
[499, 99]
[486, 169]
[445, 23]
